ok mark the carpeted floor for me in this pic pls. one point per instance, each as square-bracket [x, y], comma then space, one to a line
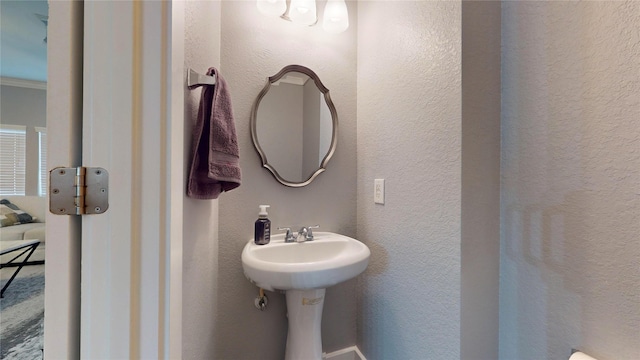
[22, 314]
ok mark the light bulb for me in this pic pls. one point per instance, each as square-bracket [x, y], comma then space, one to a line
[336, 17]
[303, 12]
[272, 7]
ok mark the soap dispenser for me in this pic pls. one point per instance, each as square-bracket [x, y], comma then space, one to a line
[262, 234]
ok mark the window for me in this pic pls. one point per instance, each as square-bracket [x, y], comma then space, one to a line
[13, 141]
[42, 152]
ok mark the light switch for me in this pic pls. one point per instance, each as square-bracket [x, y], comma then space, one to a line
[378, 194]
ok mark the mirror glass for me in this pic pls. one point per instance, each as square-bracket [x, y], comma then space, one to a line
[294, 126]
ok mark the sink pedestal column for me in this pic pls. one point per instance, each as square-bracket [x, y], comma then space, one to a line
[304, 309]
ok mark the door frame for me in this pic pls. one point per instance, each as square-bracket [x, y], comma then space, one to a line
[64, 148]
[126, 104]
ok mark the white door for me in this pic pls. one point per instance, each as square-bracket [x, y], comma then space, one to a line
[115, 285]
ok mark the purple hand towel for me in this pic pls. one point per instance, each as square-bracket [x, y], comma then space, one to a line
[214, 167]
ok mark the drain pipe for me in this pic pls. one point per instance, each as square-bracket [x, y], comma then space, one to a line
[261, 301]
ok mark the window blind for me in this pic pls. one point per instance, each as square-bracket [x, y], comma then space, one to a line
[13, 141]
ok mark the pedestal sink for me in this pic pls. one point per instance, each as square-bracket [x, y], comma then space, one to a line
[304, 270]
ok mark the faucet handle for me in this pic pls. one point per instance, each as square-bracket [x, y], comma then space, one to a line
[310, 233]
[288, 237]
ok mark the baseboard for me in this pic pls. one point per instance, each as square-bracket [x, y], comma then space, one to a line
[350, 353]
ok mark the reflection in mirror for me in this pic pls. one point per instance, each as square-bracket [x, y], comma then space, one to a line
[294, 126]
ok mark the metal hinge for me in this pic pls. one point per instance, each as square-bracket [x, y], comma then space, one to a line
[78, 191]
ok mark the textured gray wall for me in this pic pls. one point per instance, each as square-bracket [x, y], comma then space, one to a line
[409, 133]
[200, 234]
[570, 276]
[253, 48]
[480, 250]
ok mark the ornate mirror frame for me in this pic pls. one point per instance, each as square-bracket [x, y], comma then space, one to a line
[334, 117]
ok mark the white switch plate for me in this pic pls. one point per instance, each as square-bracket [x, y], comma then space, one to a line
[378, 192]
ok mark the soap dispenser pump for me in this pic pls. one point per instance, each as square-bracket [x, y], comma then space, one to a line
[262, 234]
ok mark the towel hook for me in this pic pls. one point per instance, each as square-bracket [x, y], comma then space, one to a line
[194, 79]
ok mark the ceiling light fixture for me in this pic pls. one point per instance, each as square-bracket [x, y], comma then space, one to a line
[303, 12]
[272, 7]
[335, 17]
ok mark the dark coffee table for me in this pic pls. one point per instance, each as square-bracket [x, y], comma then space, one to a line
[24, 249]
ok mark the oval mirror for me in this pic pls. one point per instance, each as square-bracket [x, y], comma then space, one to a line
[294, 126]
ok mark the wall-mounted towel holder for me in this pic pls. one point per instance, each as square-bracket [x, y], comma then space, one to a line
[194, 79]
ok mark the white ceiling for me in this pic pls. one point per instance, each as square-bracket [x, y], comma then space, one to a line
[23, 52]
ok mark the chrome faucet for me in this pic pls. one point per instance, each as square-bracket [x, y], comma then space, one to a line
[288, 237]
[304, 234]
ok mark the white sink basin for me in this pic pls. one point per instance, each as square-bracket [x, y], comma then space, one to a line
[327, 260]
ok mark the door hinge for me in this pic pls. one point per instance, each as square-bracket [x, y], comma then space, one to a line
[78, 191]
